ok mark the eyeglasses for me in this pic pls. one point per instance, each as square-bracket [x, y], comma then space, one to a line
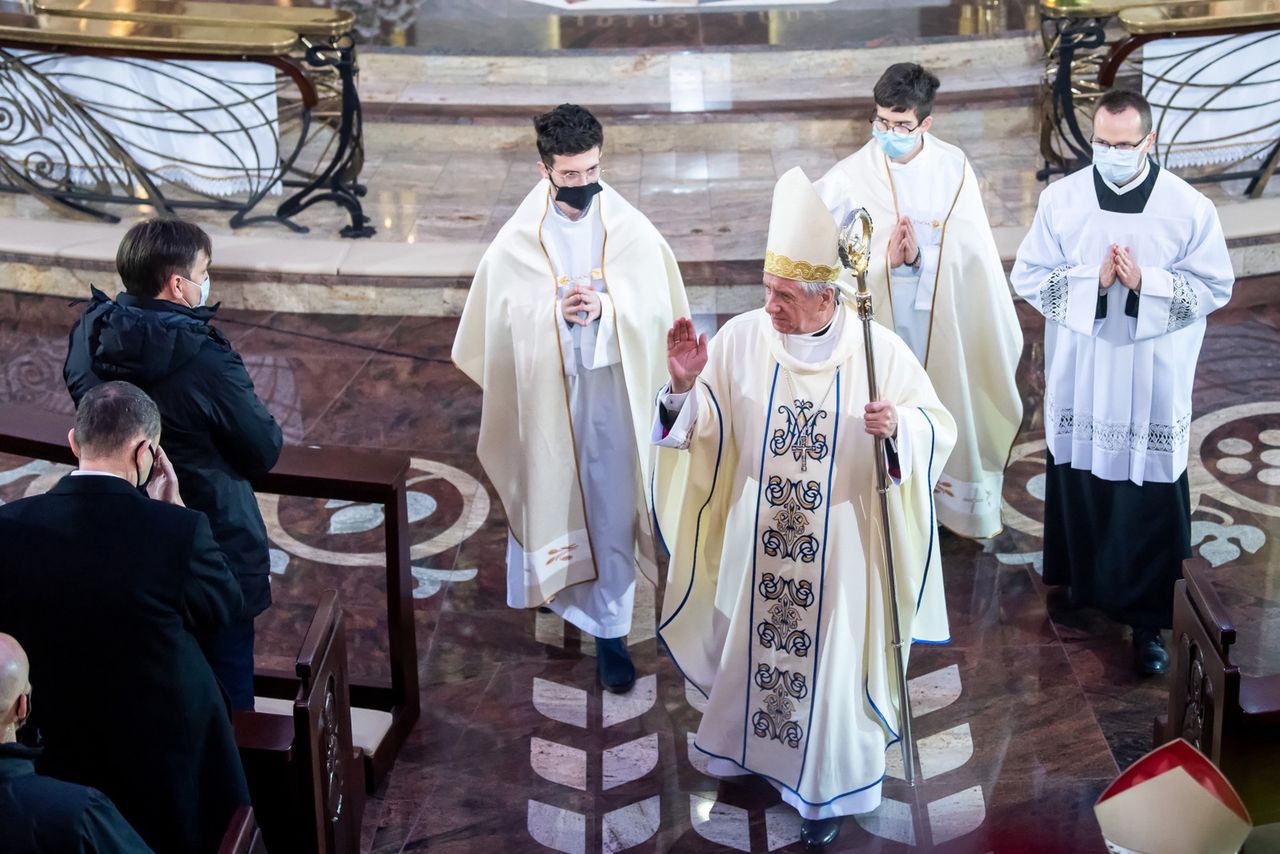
[573, 175]
[885, 126]
[1119, 146]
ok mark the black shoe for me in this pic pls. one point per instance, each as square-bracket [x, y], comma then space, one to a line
[1149, 655]
[613, 662]
[819, 831]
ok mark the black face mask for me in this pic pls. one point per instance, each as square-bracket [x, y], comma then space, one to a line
[577, 197]
[142, 482]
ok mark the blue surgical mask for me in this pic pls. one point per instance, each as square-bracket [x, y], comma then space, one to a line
[895, 144]
[1118, 166]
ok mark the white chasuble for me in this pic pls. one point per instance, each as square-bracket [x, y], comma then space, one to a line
[955, 312]
[564, 424]
[776, 604]
[1119, 367]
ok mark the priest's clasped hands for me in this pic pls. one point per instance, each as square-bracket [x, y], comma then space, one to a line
[1119, 264]
[578, 301]
[903, 248]
[687, 356]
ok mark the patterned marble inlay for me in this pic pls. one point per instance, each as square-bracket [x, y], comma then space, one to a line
[1020, 722]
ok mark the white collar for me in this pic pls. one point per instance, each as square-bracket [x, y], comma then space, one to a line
[806, 342]
[825, 332]
[1133, 184]
[78, 472]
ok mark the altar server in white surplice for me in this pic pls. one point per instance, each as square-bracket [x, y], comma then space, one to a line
[776, 605]
[1124, 260]
[937, 280]
[563, 330]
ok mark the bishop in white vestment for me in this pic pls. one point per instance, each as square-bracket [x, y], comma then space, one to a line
[1125, 263]
[776, 605]
[564, 425]
[952, 306]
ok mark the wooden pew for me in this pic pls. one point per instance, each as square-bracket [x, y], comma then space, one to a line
[305, 777]
[383, 713]
[242, 836]
[1232, 718]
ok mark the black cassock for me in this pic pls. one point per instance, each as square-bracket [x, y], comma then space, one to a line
[1119, 545]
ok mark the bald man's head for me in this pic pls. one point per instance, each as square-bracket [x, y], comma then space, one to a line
[14, 685]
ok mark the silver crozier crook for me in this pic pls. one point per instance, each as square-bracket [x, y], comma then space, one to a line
[855, 255]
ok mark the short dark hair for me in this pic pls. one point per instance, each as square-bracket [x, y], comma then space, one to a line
[567, 130]
[113, 415]
[154, 250]
[907, 86]
[1116, 101]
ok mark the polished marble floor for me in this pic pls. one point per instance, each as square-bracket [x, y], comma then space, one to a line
[1021, 721]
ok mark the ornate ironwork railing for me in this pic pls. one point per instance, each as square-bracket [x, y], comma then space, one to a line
[154, 110]
[1210, 70]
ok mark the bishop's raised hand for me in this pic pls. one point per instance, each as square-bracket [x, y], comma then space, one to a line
[686, 355]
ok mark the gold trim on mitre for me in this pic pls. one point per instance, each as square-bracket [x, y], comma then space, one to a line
[803, 237]
[802, 271]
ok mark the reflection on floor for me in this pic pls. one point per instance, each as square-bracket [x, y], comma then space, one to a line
[1021, 720]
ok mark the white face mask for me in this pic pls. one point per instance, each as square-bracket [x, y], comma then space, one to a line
[204, 291]
[1118, 166]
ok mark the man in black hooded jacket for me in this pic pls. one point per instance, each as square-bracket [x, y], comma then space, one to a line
[158, 335]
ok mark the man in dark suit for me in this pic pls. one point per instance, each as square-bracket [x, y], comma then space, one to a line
[107, 589]
[159, 335]
[38, 814]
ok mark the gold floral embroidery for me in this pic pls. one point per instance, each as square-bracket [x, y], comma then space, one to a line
[801, 271]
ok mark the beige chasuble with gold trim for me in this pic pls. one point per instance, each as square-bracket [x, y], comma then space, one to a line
[974, 340]
[509, 343]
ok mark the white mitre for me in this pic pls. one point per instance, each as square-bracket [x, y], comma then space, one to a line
[802, 235]
[1172, 801]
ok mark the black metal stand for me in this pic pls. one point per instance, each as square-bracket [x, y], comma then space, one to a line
[119, 179]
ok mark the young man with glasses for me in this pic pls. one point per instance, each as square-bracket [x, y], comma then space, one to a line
[563, 330]
[937, 280]
[1124, 260]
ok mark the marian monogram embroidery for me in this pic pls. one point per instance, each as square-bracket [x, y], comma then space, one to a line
[800, 437]
[790, 537]
[775, 719]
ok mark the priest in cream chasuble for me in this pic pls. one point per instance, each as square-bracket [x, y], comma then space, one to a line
[567, 400]
[1125, 260]
[776, 604]
[947, 296]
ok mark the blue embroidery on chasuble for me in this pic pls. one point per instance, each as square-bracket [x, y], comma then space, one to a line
[790, 532]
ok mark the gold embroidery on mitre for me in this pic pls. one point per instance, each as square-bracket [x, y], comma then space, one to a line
[802, 271]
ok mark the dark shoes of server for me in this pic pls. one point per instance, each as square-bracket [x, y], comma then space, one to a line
[1149, 655]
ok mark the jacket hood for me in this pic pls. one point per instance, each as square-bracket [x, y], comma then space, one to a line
[142, 340]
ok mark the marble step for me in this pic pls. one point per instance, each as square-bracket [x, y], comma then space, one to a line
[283, 273]
[637, 84]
